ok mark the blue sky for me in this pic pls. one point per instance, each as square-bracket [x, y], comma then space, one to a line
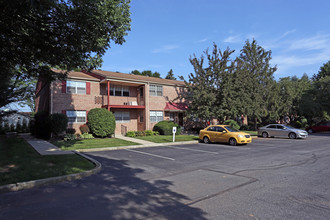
[165, 33]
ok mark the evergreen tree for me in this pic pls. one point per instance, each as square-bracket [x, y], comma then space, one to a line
[209, 87]
[170, 75]
[324, 71]
[255, 75]
[146, 73]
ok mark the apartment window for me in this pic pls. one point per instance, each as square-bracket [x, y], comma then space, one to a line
[119, 90]
[172, 116]
[122, 117]
[76, 116]
[155, 90]
[156, 116]
[75, 87]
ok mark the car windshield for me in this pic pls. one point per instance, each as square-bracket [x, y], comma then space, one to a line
[231, 129]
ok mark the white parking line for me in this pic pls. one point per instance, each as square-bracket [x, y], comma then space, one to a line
[155, 155]
[210, 152]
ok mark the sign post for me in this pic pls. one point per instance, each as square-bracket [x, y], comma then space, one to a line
[174, 131]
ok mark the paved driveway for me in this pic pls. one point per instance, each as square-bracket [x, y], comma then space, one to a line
[268, 179]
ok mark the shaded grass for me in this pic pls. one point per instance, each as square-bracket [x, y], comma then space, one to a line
[92, 143]
[19, 162]
[168, 138]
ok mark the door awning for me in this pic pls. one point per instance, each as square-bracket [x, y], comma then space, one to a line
[176, 107]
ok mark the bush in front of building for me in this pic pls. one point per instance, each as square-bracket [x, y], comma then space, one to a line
[165, 127]
[84, 129]
[232, 123]
[58, 123]
[101, 122]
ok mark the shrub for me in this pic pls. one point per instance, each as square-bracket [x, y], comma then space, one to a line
[18, 126]
[86, 136]
[70, 137]
[12, 127]
[155, 133]
[6, 127]
[58, 123]
[244, 127]
[70, 131]
[130, 134]
[149, 133]
[165, 127]
[84, 129]
[101, 122]
[42, 125]
[232, 123]
[140, 133]
[25, 126]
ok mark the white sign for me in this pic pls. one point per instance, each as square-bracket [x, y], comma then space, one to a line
[174, 130]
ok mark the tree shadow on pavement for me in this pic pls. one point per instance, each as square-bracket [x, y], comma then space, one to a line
[114, 193]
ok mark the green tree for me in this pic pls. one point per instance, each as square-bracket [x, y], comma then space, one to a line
[39, 35]
[324, 71]
[315, 104]
[210, 87]
[146, 73]
[255, 75]
[170, 75]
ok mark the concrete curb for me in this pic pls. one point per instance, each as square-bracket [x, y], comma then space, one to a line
[53, 180]
[137, 146]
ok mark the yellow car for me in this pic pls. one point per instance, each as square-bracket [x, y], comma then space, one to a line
[224, 133]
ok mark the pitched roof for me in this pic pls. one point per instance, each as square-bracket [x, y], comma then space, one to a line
[77, 75]
[132, 77]
[100, 74]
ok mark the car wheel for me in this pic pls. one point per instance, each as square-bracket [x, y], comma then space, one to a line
[206, 140]
[232, 142]
[264, 134]
[310, 131]
[292, 136]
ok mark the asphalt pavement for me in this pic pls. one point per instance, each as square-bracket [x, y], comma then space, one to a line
[268, 179]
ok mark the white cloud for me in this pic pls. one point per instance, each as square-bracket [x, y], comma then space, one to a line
[165, 49]
[202, 40]
[233, 39]
[318, 42]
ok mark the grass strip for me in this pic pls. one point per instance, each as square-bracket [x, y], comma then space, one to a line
[92, 143]
[168, 138]
[19, 162]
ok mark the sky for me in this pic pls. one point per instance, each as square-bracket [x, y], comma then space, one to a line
[166, 33]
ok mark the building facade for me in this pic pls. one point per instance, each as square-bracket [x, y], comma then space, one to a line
[138, 102]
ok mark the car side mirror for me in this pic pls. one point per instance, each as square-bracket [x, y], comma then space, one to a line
[224, 131]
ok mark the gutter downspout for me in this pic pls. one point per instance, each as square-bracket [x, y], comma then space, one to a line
[51, 98]
[108, 95]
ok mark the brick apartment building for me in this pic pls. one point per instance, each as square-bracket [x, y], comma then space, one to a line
[138, 102]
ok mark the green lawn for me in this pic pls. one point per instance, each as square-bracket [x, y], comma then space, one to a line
[168, 138]
[252, 133]
[92, 143]
[19, 162]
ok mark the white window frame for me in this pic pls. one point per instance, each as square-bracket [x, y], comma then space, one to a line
[75, 85]
[122, 117]
[156, 116]
[156, 90]
[76, 116]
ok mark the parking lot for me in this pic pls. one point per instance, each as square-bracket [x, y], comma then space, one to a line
[267, 179]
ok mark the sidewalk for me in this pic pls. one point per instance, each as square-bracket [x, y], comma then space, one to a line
[143, 142]
[44, 147]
